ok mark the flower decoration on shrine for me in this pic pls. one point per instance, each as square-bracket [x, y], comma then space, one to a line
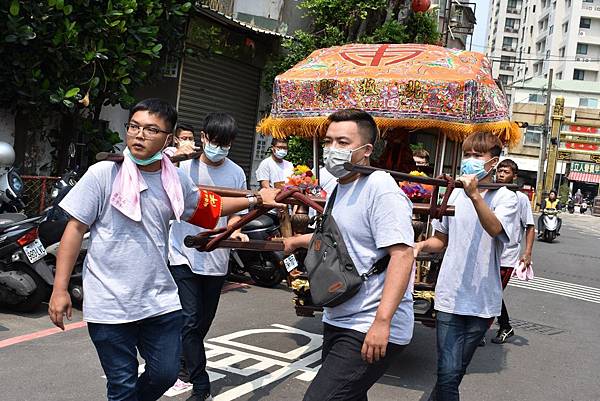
[304, 179]
[416, 191]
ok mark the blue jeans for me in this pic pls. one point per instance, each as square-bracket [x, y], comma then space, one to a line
[158, 341]
[457, 339]
[199, 296]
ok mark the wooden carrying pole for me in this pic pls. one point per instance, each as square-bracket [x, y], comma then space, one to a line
[236, 193]
[438, 182]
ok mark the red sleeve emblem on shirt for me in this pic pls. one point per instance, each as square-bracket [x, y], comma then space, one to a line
[208, 210]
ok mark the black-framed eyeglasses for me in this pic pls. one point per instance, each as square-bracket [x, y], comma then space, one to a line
[150, 132]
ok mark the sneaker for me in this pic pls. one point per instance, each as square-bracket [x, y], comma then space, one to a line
[180, 385]
[503, 335]
[482, 342]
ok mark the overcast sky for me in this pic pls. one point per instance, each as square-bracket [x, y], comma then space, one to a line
[480, 34]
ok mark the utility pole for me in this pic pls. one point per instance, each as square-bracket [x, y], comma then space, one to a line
[446, 27]
[539, 188]
[557, 119]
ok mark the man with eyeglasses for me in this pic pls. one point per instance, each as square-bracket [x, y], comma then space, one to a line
[131, 302]
[275, 168]
[201, 275]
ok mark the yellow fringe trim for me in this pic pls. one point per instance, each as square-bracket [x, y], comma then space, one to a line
[508, 131]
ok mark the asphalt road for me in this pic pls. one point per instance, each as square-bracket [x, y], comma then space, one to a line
[259, 349]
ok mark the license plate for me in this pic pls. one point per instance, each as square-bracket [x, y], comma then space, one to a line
[290, 263]
[35, 251]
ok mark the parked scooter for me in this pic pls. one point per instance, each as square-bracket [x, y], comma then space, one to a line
[583, 207]
[549, 224]
[265, 268]
[51, 229]
[25, 277]
[11, 184]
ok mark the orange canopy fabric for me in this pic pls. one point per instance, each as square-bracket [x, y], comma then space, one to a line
[410, 86]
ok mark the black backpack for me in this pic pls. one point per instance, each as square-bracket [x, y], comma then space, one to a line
[332, 275]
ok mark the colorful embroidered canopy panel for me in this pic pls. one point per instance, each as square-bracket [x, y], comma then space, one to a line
[402, 85]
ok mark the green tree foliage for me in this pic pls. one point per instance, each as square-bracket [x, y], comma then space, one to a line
[300, 151]
[69, 58]
[337, 22]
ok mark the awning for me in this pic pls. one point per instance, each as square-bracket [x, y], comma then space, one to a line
[584, 177]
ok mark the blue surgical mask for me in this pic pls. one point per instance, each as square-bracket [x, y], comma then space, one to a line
[473, 166]
[281, 153]
[143, 162]
[215, 153]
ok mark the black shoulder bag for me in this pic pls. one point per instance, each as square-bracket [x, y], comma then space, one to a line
[332, 275]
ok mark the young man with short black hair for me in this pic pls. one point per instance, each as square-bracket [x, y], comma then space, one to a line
[184, 134]
[374, 219]
[131, 303]
[468, 291]
[200, 275]
[275, 168]
[506, 173]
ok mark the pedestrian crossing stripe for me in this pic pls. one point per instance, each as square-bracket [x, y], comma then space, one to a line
[562, 288]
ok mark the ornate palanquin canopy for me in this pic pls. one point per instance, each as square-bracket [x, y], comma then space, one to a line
[407, 86]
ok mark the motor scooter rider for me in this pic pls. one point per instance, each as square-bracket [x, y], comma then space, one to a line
[551, 202]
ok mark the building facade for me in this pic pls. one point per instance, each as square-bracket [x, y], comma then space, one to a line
[503, 40]
[563, 36]
[527, 38]
[579, 140]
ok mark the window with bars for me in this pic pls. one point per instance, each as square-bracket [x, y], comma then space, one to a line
[588, 102]
[533, 135]
[585, 23]
[579, 75]
[582, 48]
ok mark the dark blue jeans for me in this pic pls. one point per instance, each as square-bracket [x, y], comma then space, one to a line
[199, 296]
[157, 340]
[457, 339]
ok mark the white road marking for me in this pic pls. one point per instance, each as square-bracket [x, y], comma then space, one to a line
[562, 288]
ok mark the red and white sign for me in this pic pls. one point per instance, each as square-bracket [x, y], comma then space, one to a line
[582, 128]
[582, 146]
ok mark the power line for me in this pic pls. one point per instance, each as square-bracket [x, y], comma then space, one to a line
[581, 59]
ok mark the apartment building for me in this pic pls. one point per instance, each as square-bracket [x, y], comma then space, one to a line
[563, 36]
[503, 39]
[527, 38]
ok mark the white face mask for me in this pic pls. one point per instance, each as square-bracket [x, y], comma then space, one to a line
[335, 158]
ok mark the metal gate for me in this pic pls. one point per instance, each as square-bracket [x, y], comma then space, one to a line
[218, 83]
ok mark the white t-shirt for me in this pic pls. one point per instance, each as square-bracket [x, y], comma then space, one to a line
[125, 275]
[510, 256]
[469, 279]
[372, 214]
[214, 263]
[274, 172]
[326, 180]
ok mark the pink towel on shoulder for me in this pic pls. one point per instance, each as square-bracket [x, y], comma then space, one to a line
[129, 183]
[523, 272]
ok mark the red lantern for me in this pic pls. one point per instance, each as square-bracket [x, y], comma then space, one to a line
[420, 6]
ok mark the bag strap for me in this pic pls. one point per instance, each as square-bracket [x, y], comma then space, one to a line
[331, 201]
[378, 268]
